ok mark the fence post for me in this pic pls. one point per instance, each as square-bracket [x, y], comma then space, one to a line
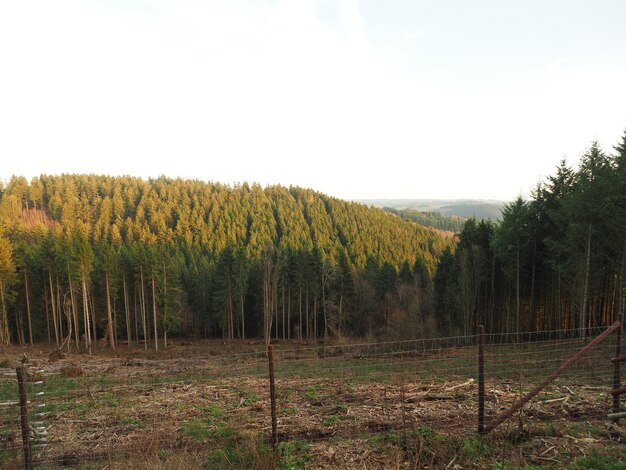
[28, 463]
[481, 379]
[616, 367]
[270, 355]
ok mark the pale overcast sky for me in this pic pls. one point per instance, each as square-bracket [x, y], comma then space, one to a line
[357, 99]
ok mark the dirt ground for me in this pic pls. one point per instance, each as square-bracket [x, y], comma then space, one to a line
[206, 405]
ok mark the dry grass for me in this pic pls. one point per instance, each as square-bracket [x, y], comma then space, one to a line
[192, 407]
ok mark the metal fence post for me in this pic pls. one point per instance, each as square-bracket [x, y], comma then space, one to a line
[28, 463]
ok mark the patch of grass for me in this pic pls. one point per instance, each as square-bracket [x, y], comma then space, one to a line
[214, 411]
[598, 461]
[246, 397]
[293, 455]
[197, 430]
[130, 422]
[475, 447]
[312, 391]
[340, 408]
[425, 431]
[290, 411]
[330, 420]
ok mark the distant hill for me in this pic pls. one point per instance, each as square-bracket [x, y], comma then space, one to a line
[430, 219]
[463, 208]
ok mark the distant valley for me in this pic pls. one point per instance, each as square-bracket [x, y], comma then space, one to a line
[459, 208]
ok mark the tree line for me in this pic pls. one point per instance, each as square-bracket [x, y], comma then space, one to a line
[555, 261]
[88, 259]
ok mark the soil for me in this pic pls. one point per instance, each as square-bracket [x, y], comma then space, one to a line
[192, 402]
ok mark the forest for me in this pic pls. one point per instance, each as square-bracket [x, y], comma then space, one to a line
[556, 261]
[88, 261]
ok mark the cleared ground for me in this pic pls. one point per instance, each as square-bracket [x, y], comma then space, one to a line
[383, 405]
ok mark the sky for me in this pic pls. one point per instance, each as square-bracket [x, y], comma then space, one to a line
[356, 99]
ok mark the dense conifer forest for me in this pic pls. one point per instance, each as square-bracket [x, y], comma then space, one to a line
[88, 259]
[555, 261]
[85, 257]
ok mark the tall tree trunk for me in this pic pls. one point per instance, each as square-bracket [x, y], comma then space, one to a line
[19, 326]
[109, 316]
[289, 313]
[164, 307]
[30, 325]
[300, 329]
[583, 310]
[74, 314]
[127, 312]
[86, 314]
[154, 315]
[517, 298]
[306, 307]
[92, 311]
[142, 302]
[54, 312]
[45, 298]
[136, 314]
[243, 317]
[5, 338]
[315, 334]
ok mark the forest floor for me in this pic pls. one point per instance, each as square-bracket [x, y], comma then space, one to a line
[206, 405]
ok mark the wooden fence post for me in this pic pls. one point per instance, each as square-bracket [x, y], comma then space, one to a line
[28, 462]
[481, 379]
[270, 355]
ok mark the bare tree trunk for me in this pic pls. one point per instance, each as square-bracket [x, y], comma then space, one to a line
[30, 326]
[142, 302]
[74, 316]
[289, 313]
[306, 307]
[164, 307]
[300, 329]
[517, 298]
[243, 318]
[92, 305]
[45, 297]
[583, 310]
[154, 315]
[5, 338]
[86, 314]
[109, 316]
[127, 312]
[54, 312]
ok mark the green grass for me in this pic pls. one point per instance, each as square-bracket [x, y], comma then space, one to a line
[599, 461]
[294, 455]
[330, 421]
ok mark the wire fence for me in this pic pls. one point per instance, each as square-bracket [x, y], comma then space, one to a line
[337, 405]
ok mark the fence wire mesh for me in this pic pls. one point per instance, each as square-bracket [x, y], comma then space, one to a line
[338, 405]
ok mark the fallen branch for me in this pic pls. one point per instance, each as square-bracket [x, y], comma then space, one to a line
[464, 384]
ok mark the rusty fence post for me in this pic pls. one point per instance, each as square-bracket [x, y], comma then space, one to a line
[270, 356]
[481, 379]
[28, 462]
[617, 381]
